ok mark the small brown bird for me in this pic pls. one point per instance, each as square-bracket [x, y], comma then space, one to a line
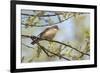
[49, 33]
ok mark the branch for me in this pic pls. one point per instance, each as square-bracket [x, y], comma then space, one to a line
[22, 59]
[48, 24]
[58, 17]
[45, 51]
[86, 47]
[43, 48]
[26, 45]
[56, 42]
[40, 16]
[47, 15]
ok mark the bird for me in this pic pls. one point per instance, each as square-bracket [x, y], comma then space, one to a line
[49, 33]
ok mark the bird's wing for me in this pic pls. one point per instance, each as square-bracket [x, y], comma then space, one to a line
[44, 31]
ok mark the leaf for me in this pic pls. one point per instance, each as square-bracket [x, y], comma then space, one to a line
[30, 20]
[50, 22]
[87, 33]
[30, 60]
[39, 51]
[43, 48]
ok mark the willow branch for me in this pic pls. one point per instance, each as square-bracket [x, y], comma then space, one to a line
[43, 48]
[56, 42]
[45, 51]
[48, 24]
[40, 16]
[47, 15]
[58, 17]
[26, 45]
[87, 43]
[22, 59]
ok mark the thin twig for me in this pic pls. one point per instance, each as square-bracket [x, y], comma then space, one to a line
[22, 59]
[67, 46]
[85, 49]
[47, 15]
[58, 17]
[40, 16]
[43, 48]
[45, 51]
[26, 45]
[48, 24]
[57, 42]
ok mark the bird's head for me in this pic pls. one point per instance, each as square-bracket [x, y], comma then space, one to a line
[55, 27]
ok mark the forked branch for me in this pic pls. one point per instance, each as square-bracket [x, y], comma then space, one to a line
[56, 42]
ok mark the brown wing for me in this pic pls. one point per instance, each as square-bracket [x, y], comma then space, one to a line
[44, 31]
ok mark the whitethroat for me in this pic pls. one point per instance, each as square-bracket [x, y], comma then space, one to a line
[49, 33]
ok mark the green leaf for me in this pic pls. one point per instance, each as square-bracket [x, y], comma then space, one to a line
[38, 51]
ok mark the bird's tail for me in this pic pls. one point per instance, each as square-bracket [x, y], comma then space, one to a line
[35, 40]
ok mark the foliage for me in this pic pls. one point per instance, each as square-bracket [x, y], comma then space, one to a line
[49, 50]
